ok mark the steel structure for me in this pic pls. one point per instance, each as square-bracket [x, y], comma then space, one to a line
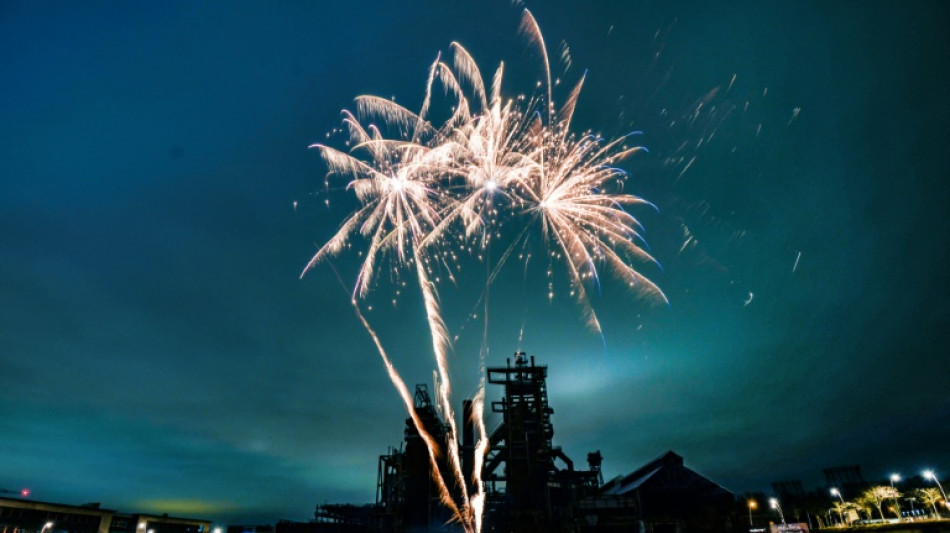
[531, 484]
[406, 496]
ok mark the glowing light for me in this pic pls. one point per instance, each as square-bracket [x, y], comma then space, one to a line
[774, 504]
[929, 474]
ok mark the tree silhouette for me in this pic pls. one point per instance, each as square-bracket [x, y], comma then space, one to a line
[930, 496]
[877, 495]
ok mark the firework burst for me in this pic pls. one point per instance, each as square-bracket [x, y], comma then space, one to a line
[492, 161]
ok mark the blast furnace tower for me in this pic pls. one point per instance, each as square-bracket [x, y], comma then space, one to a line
[526, 489]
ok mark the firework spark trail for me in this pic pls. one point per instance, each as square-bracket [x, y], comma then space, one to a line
[400, 208]
[440, 345]
[432, 447]
[477, 413]
[481, 450]
[490, 161]
[529, 27]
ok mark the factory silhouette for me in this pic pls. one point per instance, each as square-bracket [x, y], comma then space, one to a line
[530, 484]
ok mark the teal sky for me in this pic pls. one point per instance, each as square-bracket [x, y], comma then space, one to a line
[158, 352]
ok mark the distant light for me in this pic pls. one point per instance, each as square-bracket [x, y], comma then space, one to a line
[834, 492]
[25, 493]
[929, 474]
[895, 478]
[773, 502]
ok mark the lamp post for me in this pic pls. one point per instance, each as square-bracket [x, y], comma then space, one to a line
[46, 526]
[752, 505]
[895, 477]
[775, 505]
[929, 474]
[835, 492]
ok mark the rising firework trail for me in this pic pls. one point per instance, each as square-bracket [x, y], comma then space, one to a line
[426, 190]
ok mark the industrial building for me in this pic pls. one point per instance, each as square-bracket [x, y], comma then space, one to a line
[18, 515]
[29, 516]
[531, 485]
[672, 497]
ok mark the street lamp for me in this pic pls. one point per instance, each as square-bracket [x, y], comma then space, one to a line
[46, 526]
[895, 477]
[929, 474]
[835, 492]
[752, 505]
[774, 503]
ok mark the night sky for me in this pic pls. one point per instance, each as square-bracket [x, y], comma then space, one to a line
[159, 353]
